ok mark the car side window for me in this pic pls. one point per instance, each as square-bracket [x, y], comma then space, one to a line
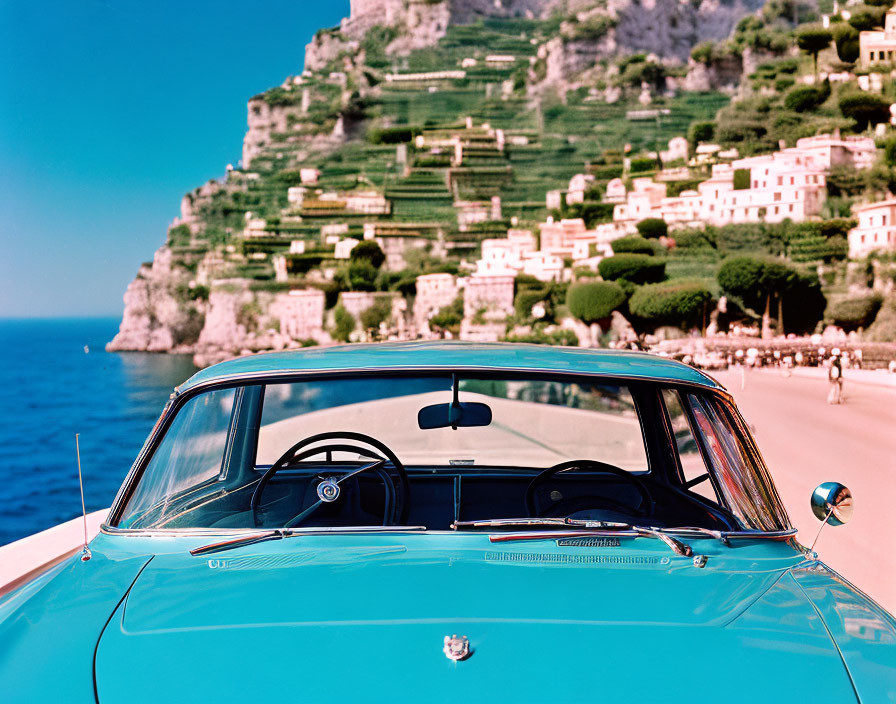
[740, 481]
[696, 474]
[191, 453]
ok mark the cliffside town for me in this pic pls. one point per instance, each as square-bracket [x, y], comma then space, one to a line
[460, 168]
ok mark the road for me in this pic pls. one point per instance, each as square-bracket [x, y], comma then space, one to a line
[805, 442]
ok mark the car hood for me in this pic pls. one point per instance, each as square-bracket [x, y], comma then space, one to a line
[334, 618]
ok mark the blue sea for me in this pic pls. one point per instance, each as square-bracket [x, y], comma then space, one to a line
[57, 380]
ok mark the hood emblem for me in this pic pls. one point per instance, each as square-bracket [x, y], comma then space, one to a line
[456, 648]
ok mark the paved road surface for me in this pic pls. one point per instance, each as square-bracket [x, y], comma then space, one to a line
[805, 442]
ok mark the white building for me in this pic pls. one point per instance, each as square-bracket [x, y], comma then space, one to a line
[578, 184]
[434, 292]
[879, 46]
[785, 185]
[829, 150]
[302, 314]
[544, 266]
[876, 229]
[344, 248]
[616, 191]
[490, 292]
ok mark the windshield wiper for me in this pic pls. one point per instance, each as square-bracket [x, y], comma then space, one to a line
[591, 528]
[280, 533]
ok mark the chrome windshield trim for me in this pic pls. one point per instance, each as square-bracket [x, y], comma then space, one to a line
[181, 394]
[244, 532]
[723, 536]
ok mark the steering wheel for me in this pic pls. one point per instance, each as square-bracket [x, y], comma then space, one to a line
[643, 509]
[395, 510]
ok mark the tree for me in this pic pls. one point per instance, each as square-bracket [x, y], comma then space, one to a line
[344, 323]
[653, 228]
[759, 283]
[359, 275]
[632, 245]
[867, 18]
[846, 39]
[813, 40]
[865, 108]
[807, 98]
[855, 312]
[701, 132]
[682, 304]
[593, 302]
[368, 250]
[636, 268]
[378, 313]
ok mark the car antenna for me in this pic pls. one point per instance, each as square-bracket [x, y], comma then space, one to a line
[85, 551]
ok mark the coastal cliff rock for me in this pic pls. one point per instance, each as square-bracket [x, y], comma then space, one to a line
[154, 319]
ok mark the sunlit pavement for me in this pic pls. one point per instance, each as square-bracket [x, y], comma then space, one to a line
[805, 441]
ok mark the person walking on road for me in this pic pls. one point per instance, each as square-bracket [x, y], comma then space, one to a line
[835, 379]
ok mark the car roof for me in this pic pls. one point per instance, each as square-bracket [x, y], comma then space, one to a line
[454, 355]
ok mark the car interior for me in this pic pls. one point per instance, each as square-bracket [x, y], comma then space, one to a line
[327, 476]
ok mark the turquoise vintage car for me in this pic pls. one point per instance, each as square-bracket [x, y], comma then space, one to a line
[443, 522]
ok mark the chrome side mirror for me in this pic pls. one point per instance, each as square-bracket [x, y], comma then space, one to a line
[832, 503]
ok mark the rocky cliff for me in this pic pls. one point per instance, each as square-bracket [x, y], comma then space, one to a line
[214, 288]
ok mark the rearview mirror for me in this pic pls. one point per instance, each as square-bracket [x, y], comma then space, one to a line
[454, 415]
[832, 503]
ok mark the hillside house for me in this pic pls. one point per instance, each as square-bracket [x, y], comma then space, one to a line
[879, 46]
[301, 314]
[615, 192]
[490, 292]
[876, 229]
[434, 292]
[343, 248]
[831, 150]
[789, 184]
[471, 213]
[578, 185]
[544, 266]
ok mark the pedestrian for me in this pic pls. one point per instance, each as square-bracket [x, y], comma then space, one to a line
[835, 379]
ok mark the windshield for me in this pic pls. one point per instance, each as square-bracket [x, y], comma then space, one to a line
[438, 449]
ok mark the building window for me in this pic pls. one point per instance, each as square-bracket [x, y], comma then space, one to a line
[777, 197]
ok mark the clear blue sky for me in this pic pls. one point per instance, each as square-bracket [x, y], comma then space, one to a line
[111, 110]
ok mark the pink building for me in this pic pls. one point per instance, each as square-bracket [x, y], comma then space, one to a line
[876, 229]
[302, 314]
[492, 292]
[434, 291]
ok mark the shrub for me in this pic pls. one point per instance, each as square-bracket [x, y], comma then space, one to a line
[635, 268]
[703, 52]
[846, 39]
[378, 313]
[632, 245]
[854, 313]
[741, 179]
[865, 108]
[179, 236]
[370, 251]
[865, 18]
[805, 98]
[393, 135]
[652, 228]
[449, 317]
[558, 338]
[639, 165]
[343, 323]
[701, 132]
[591, 302]
[678, 303]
